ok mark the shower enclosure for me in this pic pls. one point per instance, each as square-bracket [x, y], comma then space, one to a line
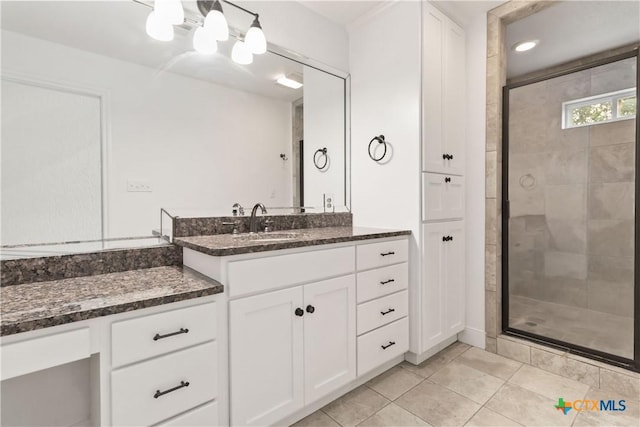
[569, 210]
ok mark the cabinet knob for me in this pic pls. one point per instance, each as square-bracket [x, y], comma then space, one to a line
[310, 309]
[384, 347]
[299, 312]
[447, 238]
[391, 310]
[445, 157]
[447, 179]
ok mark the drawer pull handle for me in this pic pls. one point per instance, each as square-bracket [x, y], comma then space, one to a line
[299, 312]
[447, 238]
[181, 331]
[391, 310]
[178, 387]
[310, 309]
[388, 253]
[387, 281]
[384, 347]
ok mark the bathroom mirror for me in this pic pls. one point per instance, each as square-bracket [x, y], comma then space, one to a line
[102, 126]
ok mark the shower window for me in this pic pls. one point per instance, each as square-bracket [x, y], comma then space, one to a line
[619, 105]
[569, 203]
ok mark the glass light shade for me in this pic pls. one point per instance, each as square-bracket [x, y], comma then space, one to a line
[158, 28]
[240, 54]
[217, 23]
[170, 10]
[204, 41]
[255, 40]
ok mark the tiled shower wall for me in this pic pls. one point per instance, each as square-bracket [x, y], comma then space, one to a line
[572, 195]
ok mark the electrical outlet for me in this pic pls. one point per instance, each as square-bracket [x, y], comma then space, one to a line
[329, 205]
[138, 186]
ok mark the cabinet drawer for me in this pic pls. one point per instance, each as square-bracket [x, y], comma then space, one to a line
[382, 281]
[443, 196]
[262, 274]
[44, 352]
[133, 389]
[382, 345]
[206, 415]
[383, 253]
[376, 313]
[143, 337]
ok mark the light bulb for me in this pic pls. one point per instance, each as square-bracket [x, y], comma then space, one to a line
[255, 39]
[240, 54]
[170, 10]
[217, 23]
[204, 41]
[158, 28]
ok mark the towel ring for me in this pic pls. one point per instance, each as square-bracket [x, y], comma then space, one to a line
[317, 159]
[380, 140]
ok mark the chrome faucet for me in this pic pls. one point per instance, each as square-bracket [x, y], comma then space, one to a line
[253, 223]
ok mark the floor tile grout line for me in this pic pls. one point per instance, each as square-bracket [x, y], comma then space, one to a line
[493, 410]
[336, 421]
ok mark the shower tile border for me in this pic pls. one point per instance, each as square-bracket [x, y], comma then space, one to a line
[597, 374]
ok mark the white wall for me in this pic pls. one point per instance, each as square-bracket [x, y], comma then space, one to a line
[290, 25]
[324, 117]
[199, 145]
[476, 32]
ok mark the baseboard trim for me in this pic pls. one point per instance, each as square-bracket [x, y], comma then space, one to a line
[472, 336]
[417, 359]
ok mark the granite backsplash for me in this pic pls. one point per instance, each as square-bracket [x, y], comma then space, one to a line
[187, 227]
[29, 270]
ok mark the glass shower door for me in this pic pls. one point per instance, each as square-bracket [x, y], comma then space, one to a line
[569, 185]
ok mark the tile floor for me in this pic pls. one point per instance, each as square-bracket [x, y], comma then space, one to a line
[593, 329]
[467, 386]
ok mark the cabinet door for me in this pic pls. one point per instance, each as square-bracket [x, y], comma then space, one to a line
[433, 261]
[329, 336]
[455, 97]
[454, 281]
[434, 24]
[266, 357]
[443, 196]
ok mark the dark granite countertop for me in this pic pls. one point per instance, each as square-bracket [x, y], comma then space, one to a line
[31, 306]
[228, 244]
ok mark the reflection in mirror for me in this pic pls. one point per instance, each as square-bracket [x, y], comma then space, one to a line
[102, 125]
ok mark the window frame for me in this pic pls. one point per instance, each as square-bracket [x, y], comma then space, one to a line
[612, 97]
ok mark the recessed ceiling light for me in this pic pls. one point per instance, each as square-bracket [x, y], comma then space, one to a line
[525, 45]
[291, 81]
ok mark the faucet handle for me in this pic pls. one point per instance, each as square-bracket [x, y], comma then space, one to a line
[237, 209]
[267, 227]
[235, 226]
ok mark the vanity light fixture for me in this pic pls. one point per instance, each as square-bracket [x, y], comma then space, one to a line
[525, 45]
[158, 28]
[292, 81]
[240, 54]
[210, 30]
[216, 22]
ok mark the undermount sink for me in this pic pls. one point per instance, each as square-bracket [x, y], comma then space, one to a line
[271, 236]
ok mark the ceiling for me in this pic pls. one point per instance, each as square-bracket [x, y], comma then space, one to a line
[570, 30]
[342, 12]
[116, 29]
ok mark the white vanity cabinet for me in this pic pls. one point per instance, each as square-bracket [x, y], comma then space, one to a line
[443, 274]
[305, 324]
[175, 369]
[383, 329]
[133, 368]
[290, 347]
